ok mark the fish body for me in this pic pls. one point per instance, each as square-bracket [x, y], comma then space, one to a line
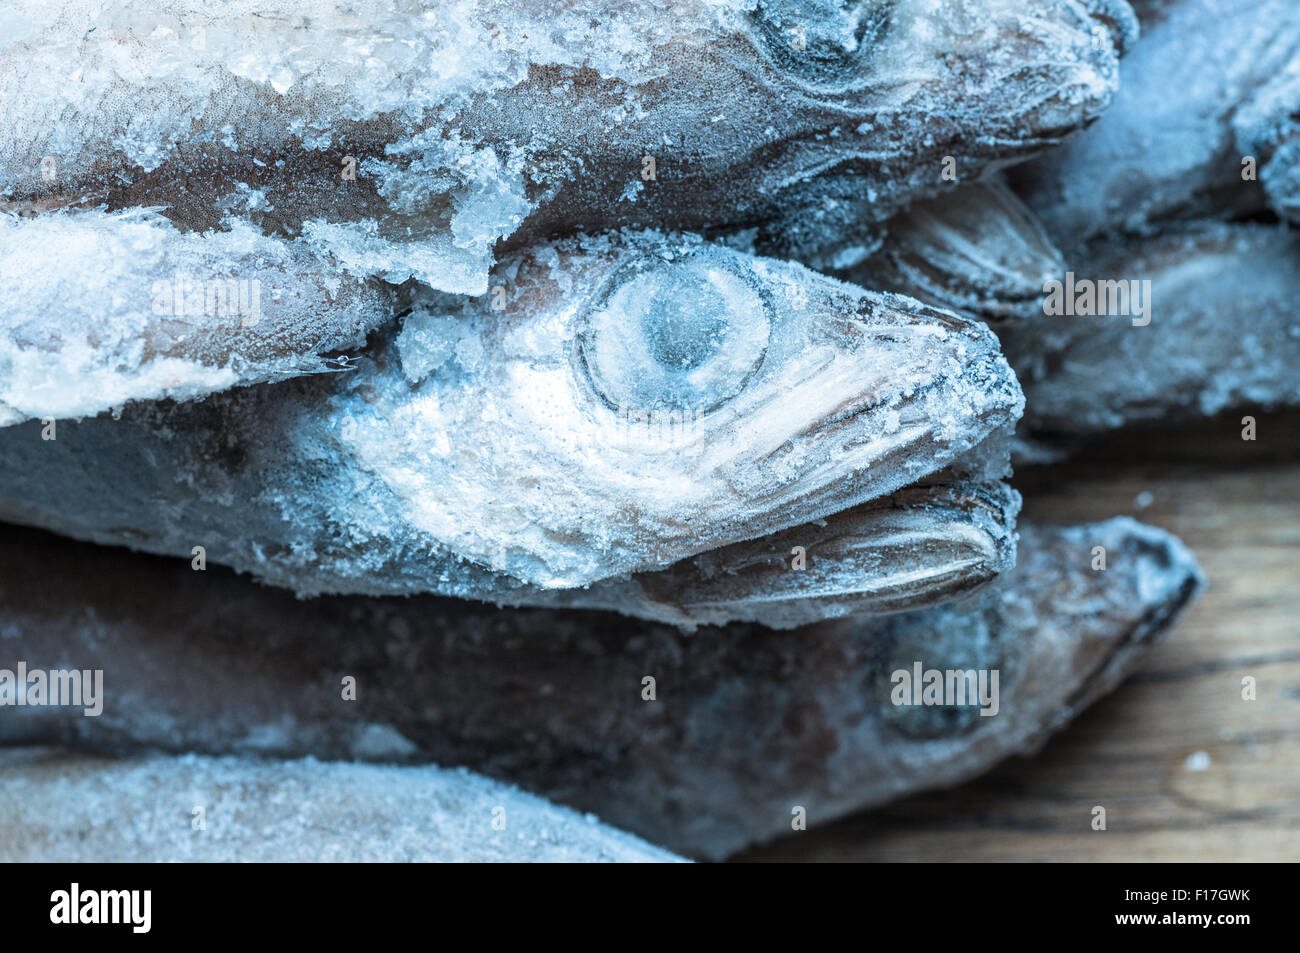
[502, 439]
[702, 743]
[1166, 148]
[105, 308]
[406, 140]
[1217, 329]
[64, 808]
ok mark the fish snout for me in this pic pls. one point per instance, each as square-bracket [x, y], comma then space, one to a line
[878, 393]
[1041, 68]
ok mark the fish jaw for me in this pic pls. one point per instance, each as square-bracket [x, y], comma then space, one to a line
[924, 545]
[824, 397]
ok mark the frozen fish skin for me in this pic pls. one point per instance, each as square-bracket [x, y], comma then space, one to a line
[103, 308]
[1166, 147]
[507, 439]
[1268, 131]
[1223, 332]
[57, 807]
[703, 743]
[978, 251]
[408, 138]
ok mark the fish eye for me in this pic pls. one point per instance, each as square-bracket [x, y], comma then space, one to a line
[685, 335]
[823, 43]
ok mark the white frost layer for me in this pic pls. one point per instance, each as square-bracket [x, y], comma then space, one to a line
[457, 103]
[1167, 141]
[104, 308]
[137, 87]
[69, 809]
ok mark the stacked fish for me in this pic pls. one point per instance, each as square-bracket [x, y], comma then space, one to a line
[693, 333]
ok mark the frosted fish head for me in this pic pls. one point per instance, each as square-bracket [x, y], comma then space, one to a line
[652, 398]
[1021, 69]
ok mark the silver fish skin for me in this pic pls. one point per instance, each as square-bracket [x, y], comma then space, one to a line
[977, 251]
[472, 120]
[482, 439]
[1166, 148]
[104, 308]
[746, 723]
[1223, 332]
[65, 808]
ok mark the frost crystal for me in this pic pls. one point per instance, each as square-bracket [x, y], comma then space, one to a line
[104, 308]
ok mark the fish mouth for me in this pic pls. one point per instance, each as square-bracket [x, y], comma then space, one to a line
[917, 547]
[915, 390]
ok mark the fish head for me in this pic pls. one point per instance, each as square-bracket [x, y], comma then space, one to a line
[967, 76]
[633, 400]
[1028, 658]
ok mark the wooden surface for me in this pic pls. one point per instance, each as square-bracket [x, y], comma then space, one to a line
[1186, 769]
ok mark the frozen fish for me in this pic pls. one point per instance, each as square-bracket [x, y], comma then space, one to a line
[407, 139]
[704, 743]
[508, 440]
[104, 308]
[1166, 148]
[1191, 321]
[1268, 133]
[60, 808]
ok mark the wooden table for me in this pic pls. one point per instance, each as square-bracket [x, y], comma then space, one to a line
[1186, 769]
